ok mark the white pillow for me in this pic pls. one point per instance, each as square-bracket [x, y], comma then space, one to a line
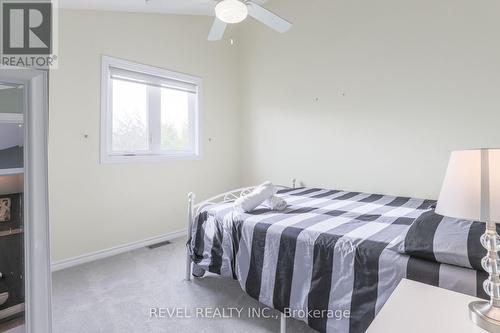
[275, 203]
[252, 200]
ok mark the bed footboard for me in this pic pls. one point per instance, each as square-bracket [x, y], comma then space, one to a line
[193, 211]
[191, 198]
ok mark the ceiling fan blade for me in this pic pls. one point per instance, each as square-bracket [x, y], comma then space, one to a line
[268, 18]
[217, 30]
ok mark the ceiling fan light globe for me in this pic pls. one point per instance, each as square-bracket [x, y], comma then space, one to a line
[231, 11]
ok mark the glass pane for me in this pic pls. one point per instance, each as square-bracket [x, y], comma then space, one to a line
[175, 120]
[11, 210]
[130, 116]
[11, 99]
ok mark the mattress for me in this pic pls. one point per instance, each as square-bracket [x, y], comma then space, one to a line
[329, 259]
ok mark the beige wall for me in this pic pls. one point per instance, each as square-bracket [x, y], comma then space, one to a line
[370, 95]
[360, 95]
[94, 206]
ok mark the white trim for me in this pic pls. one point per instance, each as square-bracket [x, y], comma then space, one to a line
[71, 262]
[148, 158]
[11, 118]
[194, 153]
[37, 234]
[38, 284]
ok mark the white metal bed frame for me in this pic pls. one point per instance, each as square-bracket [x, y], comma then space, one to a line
[194, 209]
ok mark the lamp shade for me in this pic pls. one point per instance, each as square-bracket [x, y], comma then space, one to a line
[471, 187]
[231, 11]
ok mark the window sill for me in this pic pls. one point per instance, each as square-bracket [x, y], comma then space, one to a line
[113, 159]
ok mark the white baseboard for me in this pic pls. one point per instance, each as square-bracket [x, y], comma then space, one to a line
[66, 263]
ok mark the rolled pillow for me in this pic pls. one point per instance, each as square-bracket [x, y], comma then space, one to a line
[275, 203]
[255, 198]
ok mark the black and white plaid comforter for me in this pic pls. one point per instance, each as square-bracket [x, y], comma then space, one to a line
[329, 252]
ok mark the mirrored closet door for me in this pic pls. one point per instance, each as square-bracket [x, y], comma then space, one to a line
[12, 261]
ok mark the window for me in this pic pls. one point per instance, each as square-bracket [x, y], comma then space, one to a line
[148, 113]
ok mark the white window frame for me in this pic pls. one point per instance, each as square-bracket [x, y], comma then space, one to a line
[107, 156]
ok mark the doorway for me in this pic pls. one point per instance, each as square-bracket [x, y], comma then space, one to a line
[25, 284]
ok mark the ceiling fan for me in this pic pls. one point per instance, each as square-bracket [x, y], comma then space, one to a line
[235, 11]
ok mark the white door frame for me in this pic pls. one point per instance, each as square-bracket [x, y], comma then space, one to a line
[38, 284]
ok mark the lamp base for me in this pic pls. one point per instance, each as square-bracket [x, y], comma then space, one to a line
[486, 316]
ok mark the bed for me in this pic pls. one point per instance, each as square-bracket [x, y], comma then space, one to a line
[330, 259]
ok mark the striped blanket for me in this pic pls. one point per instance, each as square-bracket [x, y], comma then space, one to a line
[330, 252]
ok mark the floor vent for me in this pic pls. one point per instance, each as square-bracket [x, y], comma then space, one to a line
[157, 245]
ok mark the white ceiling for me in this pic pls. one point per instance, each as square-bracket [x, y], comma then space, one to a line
[193, 7]
[187, 7]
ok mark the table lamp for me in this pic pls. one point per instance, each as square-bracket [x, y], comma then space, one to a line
[471, 190]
